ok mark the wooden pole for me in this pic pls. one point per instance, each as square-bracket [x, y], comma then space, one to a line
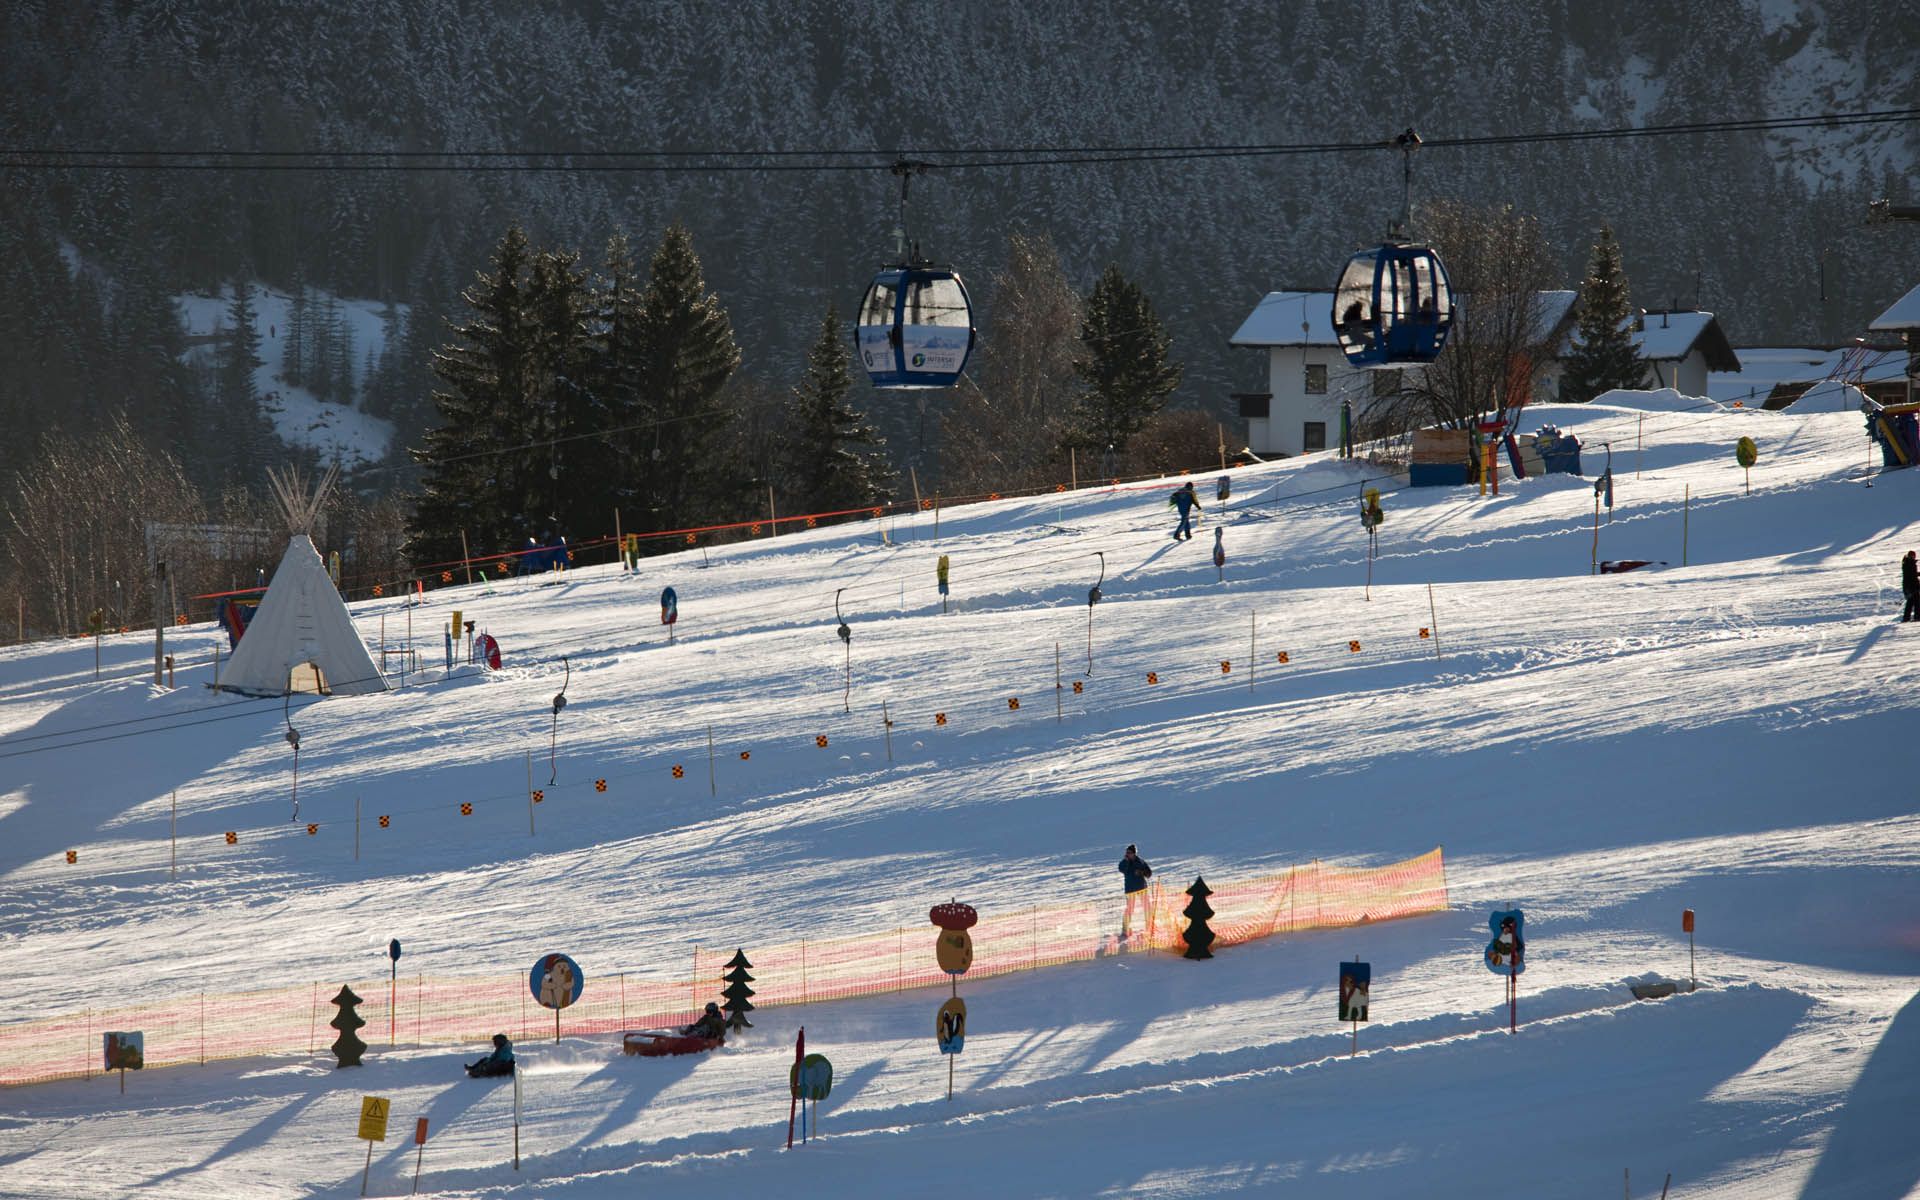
[1073, 470]
[466, 559]
[1594, 566]
[1058, 715]
[914, 475]
[1686, 512]
[936, 516]
[1433, 620]
[173, 840]
[773, 522]
[713, 781]
[1638, 431]
[619, 542]
[356, 829]
[529, 793]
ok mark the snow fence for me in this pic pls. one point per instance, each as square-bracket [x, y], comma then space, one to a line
[420, 1009]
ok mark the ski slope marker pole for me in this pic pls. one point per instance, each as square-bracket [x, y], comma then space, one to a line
[713, 784]
[530, 830]
[1433, 619]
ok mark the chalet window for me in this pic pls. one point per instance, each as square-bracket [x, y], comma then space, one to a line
[1254, 405]
[1316, 379]
[1314, 435]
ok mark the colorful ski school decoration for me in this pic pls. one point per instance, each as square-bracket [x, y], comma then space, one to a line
[557, 981]
[669, 611]
[1506, 955]
[953, 950]
[1356, 979]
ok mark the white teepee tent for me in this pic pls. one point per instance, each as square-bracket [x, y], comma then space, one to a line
[301, 638]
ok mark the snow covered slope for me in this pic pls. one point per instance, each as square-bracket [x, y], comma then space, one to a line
[1723, 730]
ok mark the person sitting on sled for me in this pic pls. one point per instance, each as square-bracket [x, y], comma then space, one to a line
[500, 1062]
[711, 1023]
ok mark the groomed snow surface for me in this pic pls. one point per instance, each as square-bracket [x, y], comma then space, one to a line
[1734, 735]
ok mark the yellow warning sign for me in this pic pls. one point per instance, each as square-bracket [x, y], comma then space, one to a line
[373, 1118]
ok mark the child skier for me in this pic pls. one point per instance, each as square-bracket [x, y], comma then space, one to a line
[500, 1062]
[1134, 873]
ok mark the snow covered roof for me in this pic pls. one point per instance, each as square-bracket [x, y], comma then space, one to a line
[1288, 319]
[1776, 376]
[1905, 313]
[1671, 336]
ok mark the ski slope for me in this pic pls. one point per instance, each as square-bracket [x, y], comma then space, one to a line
[1728, 734]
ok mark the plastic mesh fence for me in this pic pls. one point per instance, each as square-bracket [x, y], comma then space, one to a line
[428, 1010]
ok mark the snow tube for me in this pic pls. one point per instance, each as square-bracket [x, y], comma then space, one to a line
[655, 1043]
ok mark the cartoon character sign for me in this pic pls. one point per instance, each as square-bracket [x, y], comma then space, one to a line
[1356, 978]
[124, 1051]
[669, 607]
[950, 1026]
[953, 950]
[557, 981]
[1507, 952]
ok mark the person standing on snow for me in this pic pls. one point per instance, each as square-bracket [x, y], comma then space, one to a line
[1186, 502]
[1134, 873]
[1910, 584]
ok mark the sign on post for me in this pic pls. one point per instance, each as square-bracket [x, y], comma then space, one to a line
[950, 1026]
[557, 981]
[373, 1128]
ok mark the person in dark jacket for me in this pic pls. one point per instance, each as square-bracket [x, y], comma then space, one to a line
[1185, 500]
[711, 1023]
[1134, 873]
[500, 1062]
[1910, 584]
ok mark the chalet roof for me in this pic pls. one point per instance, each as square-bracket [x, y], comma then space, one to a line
[1773, 376]
[1905, 313]
[1670, 337]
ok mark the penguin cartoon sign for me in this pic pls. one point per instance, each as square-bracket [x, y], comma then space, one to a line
[950, 1026]
[1507, 952]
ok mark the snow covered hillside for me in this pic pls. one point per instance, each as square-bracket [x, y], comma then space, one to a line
[1723, 730]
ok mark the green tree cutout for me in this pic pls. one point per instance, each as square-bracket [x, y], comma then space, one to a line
[1603, 355]
[1199, 936]
[737, 1005]
[1122, 363]
[830, 458]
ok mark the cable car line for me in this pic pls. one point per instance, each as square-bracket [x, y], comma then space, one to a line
[723, 160]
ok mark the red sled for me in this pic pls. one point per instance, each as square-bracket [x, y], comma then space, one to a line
[655, 1043]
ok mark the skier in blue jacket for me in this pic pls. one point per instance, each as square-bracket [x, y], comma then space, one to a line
[1134, 873]
[1185, 500]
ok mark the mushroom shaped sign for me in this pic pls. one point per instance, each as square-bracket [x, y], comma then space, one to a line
[954, 948]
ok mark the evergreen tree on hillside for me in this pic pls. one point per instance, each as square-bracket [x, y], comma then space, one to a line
[1122, 363]
[1603, 355]
[476, 476]
[572, 487]
[619, 314]
[831, 459]
[686, 357]
[241, 436]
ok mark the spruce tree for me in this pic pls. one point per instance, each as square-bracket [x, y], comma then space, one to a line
[1122, 363]
[241, 434]
[475, 481]
[615, 378]
[567, 410]
[1603, 355]
[686, 356]
[738, 1005]
[831, 459]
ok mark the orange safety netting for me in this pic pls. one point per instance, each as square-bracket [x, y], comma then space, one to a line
[423, 1010]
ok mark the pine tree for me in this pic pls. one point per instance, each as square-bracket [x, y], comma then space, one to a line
[567, 410]
[831, 459]
[293, 360]
[615, 377]
[1603, 355]
[686, 356]
[1199, 935]
[1123, 363]
[241, 434]
[474, 481]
